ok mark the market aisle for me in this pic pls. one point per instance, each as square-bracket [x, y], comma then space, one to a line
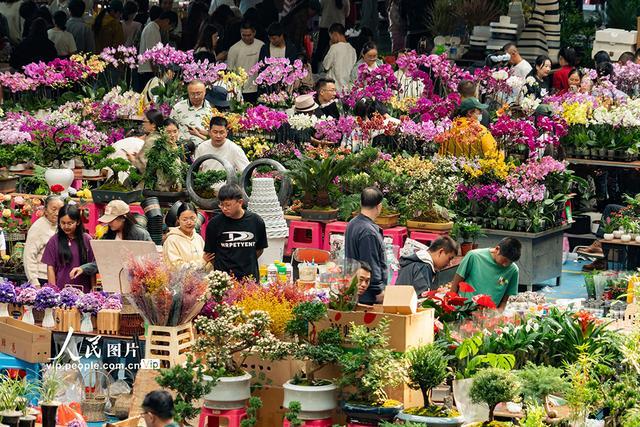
[572, 283]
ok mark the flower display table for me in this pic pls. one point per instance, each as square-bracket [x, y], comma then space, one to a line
[541, 257]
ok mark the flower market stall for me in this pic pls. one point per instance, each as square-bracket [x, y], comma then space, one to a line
[297, 345]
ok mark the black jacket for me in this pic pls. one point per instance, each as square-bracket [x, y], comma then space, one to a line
[363, 241]
[291, 52]
[417, 270]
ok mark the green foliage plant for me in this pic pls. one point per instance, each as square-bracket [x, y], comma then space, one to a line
[252, 412]
[318, 349]
[188, 382]
[538, 382]
[492, 386]
[315, 177]
[50, 386]
[470, 359]
[293, 413]
[165, 170]
[369, 367]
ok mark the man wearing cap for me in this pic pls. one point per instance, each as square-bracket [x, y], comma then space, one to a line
[218, 97]
[467, 137]
[122, 226]
[190, 112]
[220, 146]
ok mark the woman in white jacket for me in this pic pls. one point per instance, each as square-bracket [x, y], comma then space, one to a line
[37, 238]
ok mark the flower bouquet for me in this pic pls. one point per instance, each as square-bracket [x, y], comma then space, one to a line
[26, 296]
[66, 314]
[7, 296]
[88, 305]
[46, 299]
[165, 296]
[108, 319]
[449, 306]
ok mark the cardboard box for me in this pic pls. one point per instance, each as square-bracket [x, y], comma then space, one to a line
[270, 373]
[400, 299]
[272, 413]
[405, 331]
[27, 342]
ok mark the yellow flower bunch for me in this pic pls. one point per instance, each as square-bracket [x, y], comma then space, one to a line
[95, 64]
[403, 105]
[234, 79]
[414, 166]
[157, 281]
[101, 229]
[497, 166]
[254, 146]
[232, 118]
[577, 113]
[279, 310]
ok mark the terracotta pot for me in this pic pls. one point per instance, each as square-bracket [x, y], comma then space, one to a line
[465, 247]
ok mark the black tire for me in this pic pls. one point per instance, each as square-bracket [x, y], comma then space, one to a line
[285, 187]
[202, 203]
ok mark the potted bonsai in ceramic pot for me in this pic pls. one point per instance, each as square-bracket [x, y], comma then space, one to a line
[49, 388]
[428, 369]
[367, 371]
[22, 154]
[120, 185]
[187, 381]
[8, 181]
[469, 233]
[538, 382]
[424, 211]
[317, 397]
[226, 339]
[315, 177]
[493, 386]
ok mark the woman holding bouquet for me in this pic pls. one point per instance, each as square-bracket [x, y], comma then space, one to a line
[67, 249]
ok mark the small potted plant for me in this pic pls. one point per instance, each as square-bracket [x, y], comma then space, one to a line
[226, 339]
[425, 212]
[187, 381]
[88, 305]
[367, 371]
[46, 300]
[315, 177]
[91, 160]
[493, 386]
[428, 369]
[538, 382]
[317, 397]
[10, 395]
[609, 226]
[7, 296]
[26, 297]
[49, 388]
[113, 188]
[469, 233]
[22, 154]
[8, 181]
[66, 314]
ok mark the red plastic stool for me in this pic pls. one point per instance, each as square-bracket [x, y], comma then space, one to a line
[423, 237]
[211, 417]
[398, 235]
[326, 422]
[299, 236]
[337, 227]
[354, 424]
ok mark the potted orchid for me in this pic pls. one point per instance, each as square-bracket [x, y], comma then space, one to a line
[226, 339]
[88, 305]
[261, 120]
[46, 299]
[275, 78]
[26, 296]
[7, 296]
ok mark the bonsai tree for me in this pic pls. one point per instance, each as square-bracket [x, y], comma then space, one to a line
[538, 382]
[113, 182]
[92, 160]
[253, 405]
[315, 176]
[427, 369]
[231, 332]
[317, 349]
[492, 386]
[23, 153]
[188, 382]
[371, 366]
[165, 170]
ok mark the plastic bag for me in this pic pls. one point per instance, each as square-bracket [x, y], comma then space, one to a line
[66, 414]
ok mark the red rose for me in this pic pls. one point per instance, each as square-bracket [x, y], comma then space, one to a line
[57, 188]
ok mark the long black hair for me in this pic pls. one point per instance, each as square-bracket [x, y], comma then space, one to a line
[64, 252]
[204, 38]
[129, 224]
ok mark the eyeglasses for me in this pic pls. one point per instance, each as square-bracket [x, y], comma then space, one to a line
[227, 205]
[187, 219]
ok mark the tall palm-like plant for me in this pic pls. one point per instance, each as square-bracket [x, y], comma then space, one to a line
[315, 176]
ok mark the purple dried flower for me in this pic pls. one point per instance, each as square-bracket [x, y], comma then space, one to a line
[113, 302]
[46, 297]
[7, 292]
[26, 294]
[69, 297]
[89, 303]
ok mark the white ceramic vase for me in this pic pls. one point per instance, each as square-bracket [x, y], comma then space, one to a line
[63, 177]
[4, 309]
[48, 321]
[229, 392]
[625, 237]
[91, 173]
[316, 402]
[27, 316]
[86, 325]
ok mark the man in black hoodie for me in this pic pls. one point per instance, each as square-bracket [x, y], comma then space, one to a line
[419, 269]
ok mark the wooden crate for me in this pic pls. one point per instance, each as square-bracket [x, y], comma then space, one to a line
[66, 318]
[108, 322]
[169, 344]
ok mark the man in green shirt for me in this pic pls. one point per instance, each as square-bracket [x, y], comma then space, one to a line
[490, 271]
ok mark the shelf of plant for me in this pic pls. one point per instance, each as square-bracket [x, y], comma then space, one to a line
[77, 175]
[604, 163]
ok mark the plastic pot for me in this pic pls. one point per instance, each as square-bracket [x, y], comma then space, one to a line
[229, 392]
[49, 412]
[316, 402]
